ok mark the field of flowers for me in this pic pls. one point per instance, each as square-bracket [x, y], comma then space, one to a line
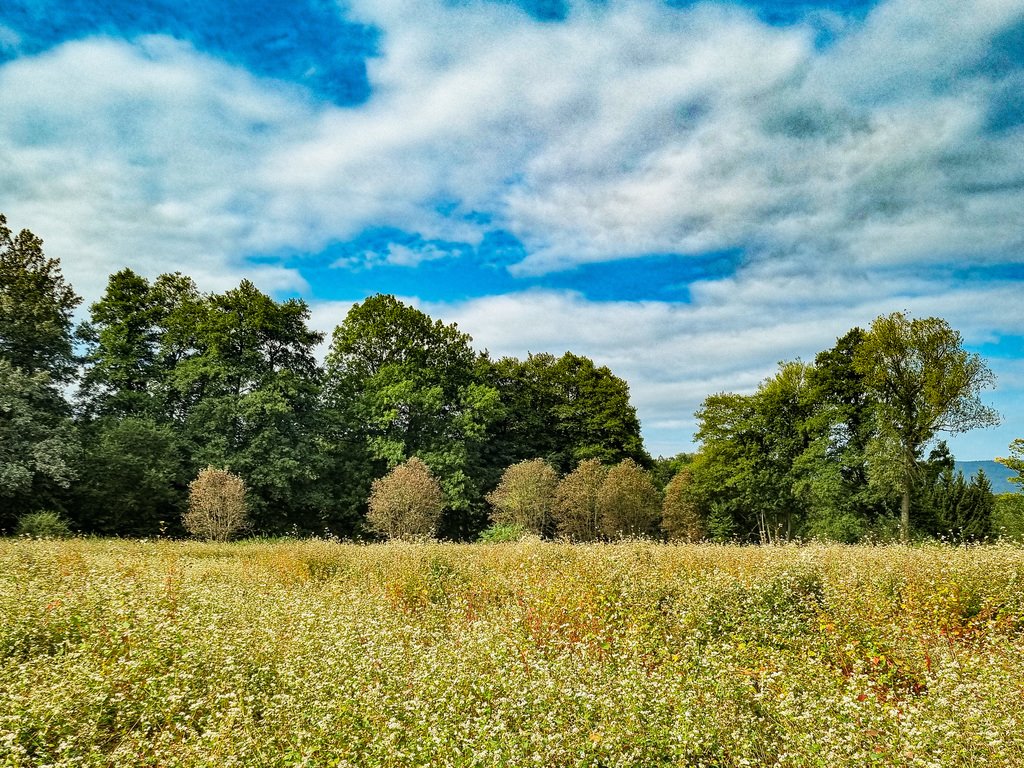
[314, 653]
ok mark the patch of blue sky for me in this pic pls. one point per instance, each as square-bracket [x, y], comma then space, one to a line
[1006, 347]
[784, 12]
[307, 41]
[387, 260]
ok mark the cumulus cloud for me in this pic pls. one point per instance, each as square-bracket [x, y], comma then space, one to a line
[142, 154]
[675, 355]
[852, 177]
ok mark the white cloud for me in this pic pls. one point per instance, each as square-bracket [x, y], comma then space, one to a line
[142, 154]
[847, 176]
[675, 355]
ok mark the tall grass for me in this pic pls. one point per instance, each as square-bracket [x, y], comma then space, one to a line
[635, 654]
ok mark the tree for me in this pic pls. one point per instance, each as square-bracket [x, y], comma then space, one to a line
[36, 307]
[680, 512]
[628, 502]
[923, 382]
[1015, 461]
[963, 509]
[132, 478]
[832, 476]
[565, 410]
[216, 505]
[398, 385]
[749, 464]
[38, 444]
[577, 515]
[406, 503]
[526, 496]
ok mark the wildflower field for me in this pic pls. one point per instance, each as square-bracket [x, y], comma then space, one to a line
[118, 653]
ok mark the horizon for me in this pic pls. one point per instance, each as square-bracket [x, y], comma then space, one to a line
[687, 193]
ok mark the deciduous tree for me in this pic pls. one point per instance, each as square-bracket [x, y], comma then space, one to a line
[577, 514]
[36, 307]
[680, 512]
[406, 503]
[629, 503]
[526, 496]
[923, 382]
[1015, 461]
[216, 505]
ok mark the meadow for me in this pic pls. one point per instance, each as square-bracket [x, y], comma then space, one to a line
[317, 653]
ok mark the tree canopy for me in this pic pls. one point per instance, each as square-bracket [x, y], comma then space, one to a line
[171, 380]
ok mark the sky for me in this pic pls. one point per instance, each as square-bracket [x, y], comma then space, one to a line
[686, 192]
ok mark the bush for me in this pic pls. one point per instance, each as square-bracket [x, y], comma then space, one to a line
[42, 525]
[406, 503]
[629, 503]
[576, 513]
[526, 496]
[680, 516]
[216, 505]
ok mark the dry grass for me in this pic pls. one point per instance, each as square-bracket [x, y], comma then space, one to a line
[636, 654]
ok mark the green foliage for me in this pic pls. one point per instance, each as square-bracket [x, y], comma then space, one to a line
[1008, 516]
[44, 524]
[750, 463]
[36, 307]
[628, 502]
[406, 503]
[525, 496]
[132, 478]
[577, 514]
[566, 410]
[38, 443]
[1015, 461]
[680, 512]
[216, 505]
[404, 385]
[922, 381]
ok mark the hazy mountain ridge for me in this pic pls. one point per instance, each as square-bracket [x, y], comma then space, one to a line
[997, 474]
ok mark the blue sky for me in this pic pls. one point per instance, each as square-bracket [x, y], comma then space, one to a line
[687, 192]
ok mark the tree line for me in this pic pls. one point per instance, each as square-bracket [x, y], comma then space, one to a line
[109, 421]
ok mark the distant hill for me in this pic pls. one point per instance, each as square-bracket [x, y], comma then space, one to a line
[997, 474]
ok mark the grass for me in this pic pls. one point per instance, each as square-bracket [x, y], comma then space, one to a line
[321, 654]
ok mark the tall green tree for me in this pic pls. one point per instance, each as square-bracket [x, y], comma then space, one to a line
[566, 410]
[36, 306]
[38, 444]
[751, 447]
[401, 384]
[833, 471]
[923, 382]
[132, 478]
[122, 370]
[251, 388]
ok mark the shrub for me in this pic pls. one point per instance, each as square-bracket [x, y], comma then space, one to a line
[576, 512]
[216, 505]
[503, 533]
[406, 503]
[526, 496]
[42, 525]
[680, 516]
[628, 502]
